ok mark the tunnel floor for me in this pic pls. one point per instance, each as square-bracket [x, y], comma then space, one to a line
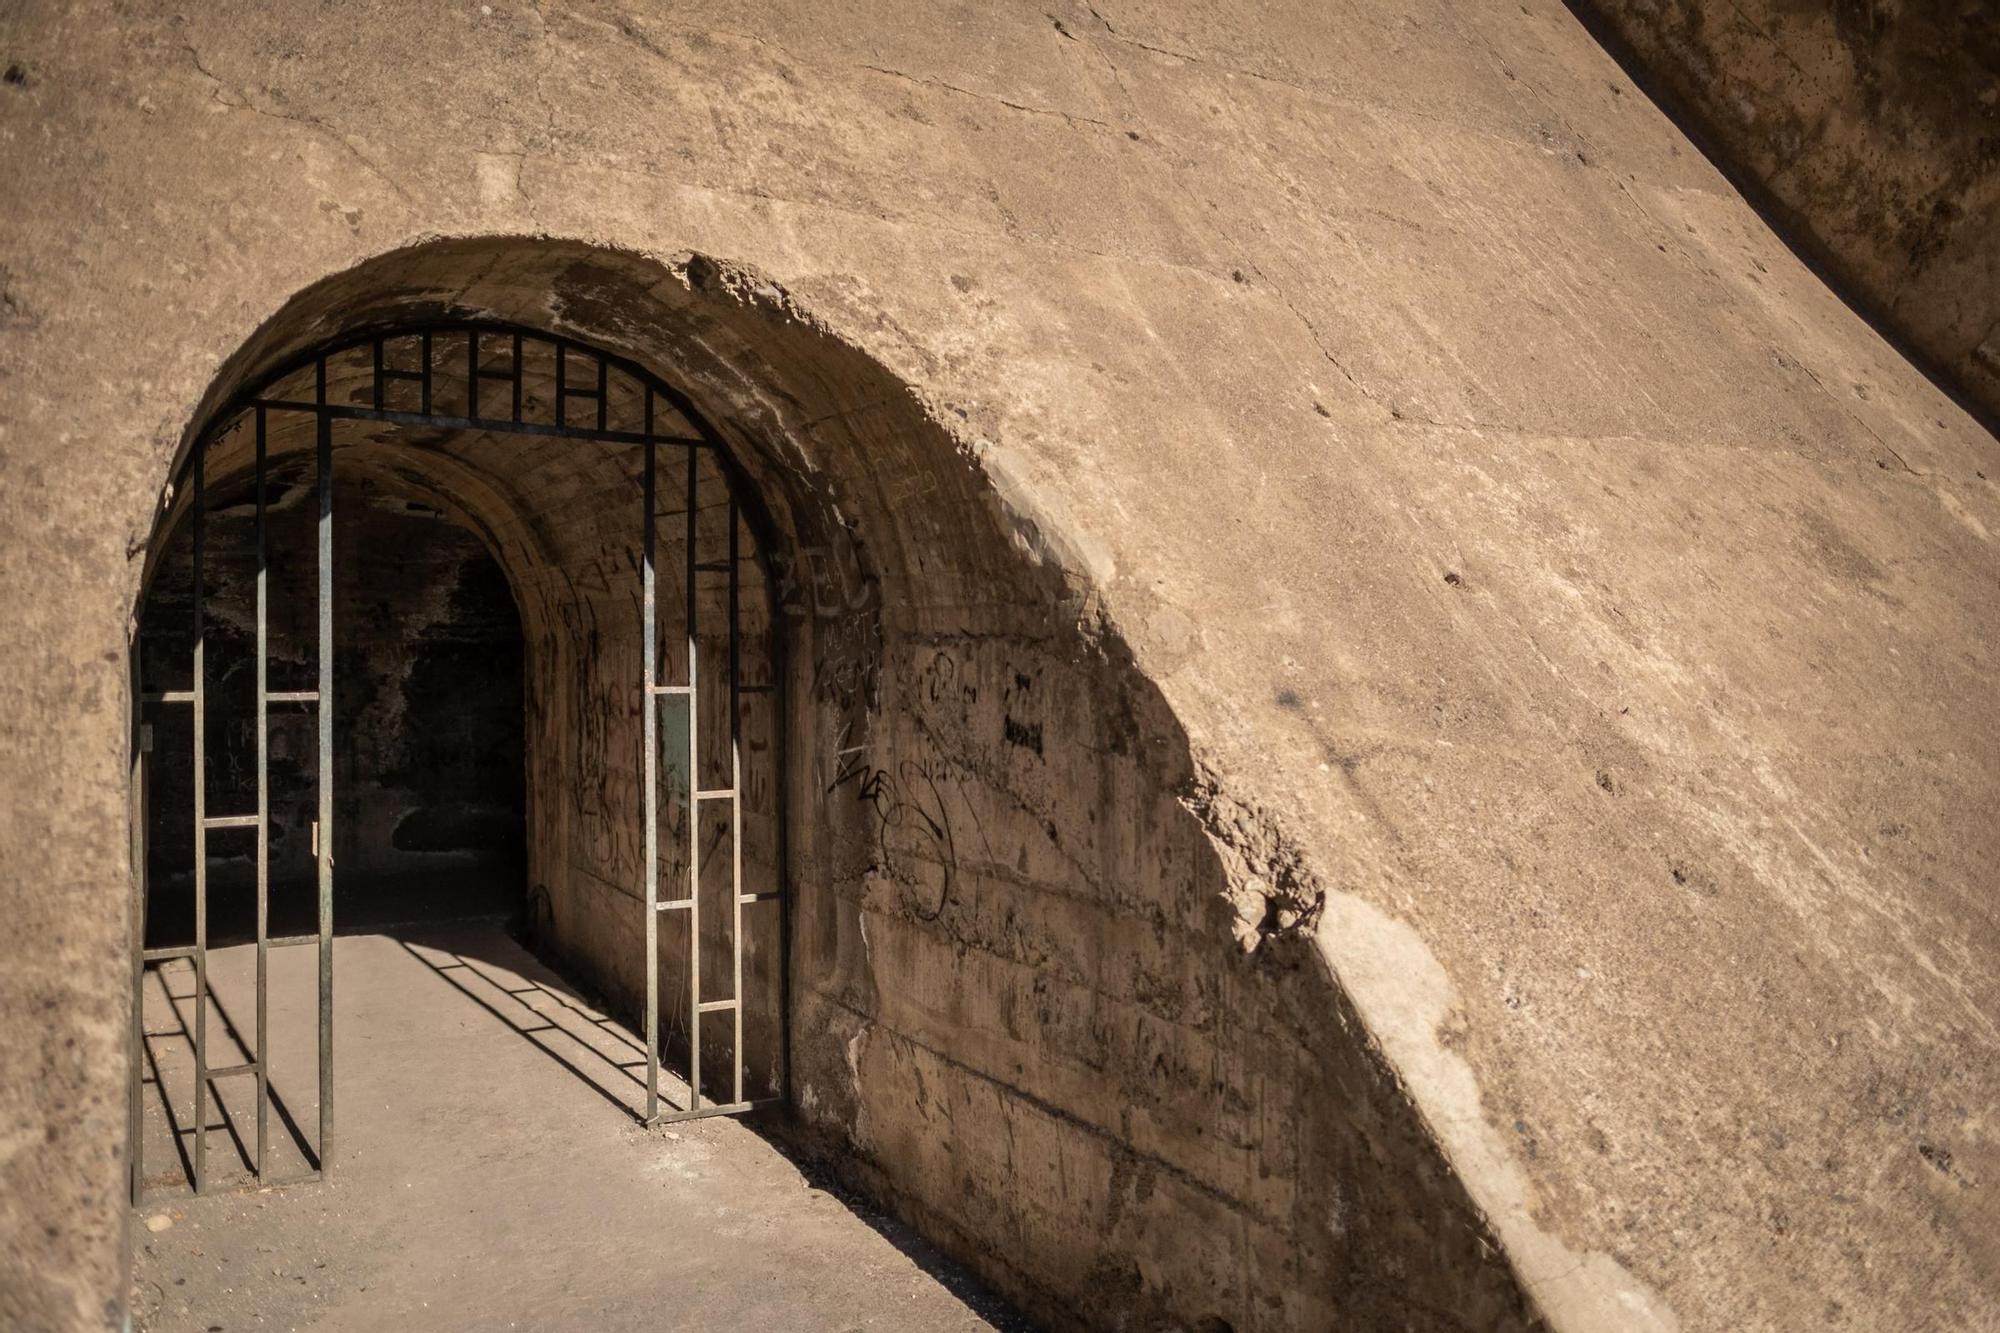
[483, 1179]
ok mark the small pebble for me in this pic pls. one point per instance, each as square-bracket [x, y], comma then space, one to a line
[158, 1222]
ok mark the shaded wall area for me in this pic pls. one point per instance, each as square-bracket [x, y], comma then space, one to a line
[1870, 131]
[1053, 998]
[428, 764]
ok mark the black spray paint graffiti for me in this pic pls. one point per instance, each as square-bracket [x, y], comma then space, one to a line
[908, 799]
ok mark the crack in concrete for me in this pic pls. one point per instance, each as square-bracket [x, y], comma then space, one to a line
[238, 100]
[1319, 342]
[929, 82]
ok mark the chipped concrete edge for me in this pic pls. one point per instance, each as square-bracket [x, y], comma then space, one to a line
[1404, 998]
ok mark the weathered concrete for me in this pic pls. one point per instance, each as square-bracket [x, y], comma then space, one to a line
[486, 1184]
[1871, 131]
[1446, 475]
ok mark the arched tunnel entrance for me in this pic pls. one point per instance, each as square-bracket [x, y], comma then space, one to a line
[331, 676]
[955, 890]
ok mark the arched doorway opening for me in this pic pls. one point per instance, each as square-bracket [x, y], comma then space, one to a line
[1048, 992]
[441, 616]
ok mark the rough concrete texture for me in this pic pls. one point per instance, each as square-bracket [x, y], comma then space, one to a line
[497, 1192]
[1496, 580]
[1872, 131]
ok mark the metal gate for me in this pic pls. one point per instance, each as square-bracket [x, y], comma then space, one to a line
[493, 392]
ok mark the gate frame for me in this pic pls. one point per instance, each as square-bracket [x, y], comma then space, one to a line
[745, 507]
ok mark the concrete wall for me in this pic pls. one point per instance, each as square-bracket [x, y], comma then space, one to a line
[1409, 428]
[1871, 132]
[1033, 1007]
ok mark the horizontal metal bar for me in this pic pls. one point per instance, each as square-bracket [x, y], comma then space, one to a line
[715, 1006]
[292, 697]
[439, 420]
[168, 697]
[228, 1070]
[716, 794]
[748, 898]
[230, 821]
[703, 1112]
[286, 941]
[164, 955]
[578, 393]
[673, 689]
[678, 902]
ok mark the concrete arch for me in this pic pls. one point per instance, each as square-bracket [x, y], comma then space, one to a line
[1033, 1011]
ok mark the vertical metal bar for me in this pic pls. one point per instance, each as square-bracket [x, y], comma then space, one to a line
[199, 517]
[562, 385]
[472, 374]
[735, 808]
[650, 700]
[519, 374]
[424, 350]
[263, 1052]
[694, 802]
[780, 647]
[137, 1110]
[324, 462]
